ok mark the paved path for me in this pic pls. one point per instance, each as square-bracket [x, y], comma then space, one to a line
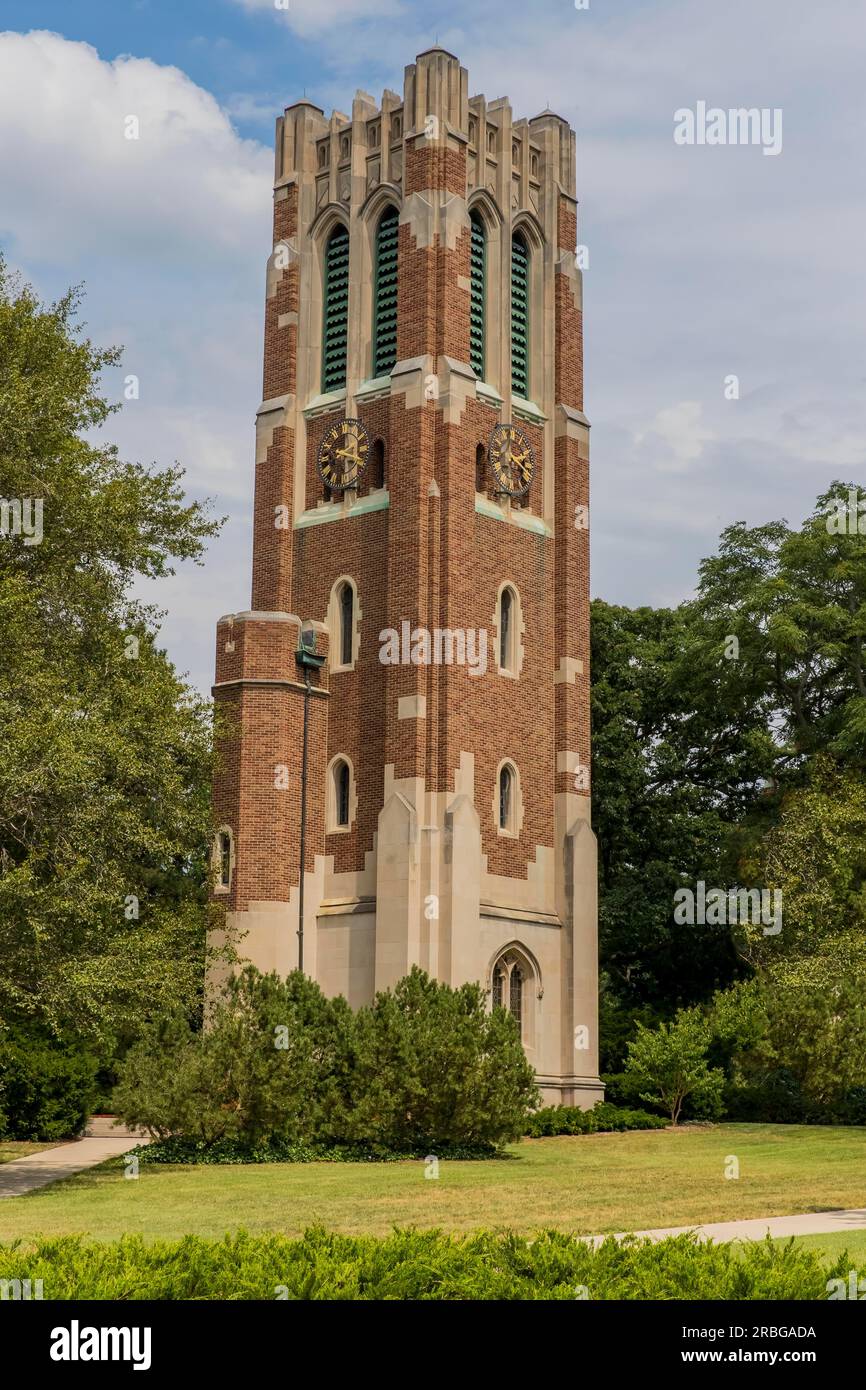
[39, 1169]
[807, 1224]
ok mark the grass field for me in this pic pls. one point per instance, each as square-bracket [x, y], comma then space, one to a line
[10, 1149]
[595, 1183]
[832, 1245]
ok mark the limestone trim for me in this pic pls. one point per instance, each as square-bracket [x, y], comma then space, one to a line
[282, 685]
[570, 667]
[520, 914]
[412, 707]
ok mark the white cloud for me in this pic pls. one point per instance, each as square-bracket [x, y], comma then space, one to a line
[170, 235]
[677, 436]
[73, 184]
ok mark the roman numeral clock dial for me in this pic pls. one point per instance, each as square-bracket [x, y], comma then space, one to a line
[343, 455]
[512, 460]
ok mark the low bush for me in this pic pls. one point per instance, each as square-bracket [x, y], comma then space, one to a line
[180, 1150]
[603, 1117]
[418, 1265]
[425, 1069]
[47, 1088]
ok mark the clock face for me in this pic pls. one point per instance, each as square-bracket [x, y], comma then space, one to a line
[512, 459]
[343, 455]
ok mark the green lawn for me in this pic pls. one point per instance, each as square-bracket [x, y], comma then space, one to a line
[10, 1149]
[832, 1245]
[603, 1182]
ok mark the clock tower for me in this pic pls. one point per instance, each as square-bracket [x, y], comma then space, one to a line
[419, 620]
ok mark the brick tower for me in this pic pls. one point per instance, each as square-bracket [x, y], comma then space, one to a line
[421, 506]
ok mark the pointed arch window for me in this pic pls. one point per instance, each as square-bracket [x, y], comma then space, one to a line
[335, 314]
[515, 986]
[519, 316]
[478, 295]
[385, 293]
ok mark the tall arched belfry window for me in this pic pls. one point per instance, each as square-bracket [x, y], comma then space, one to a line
[519, 316]
[385, 293]
[477, 297]
[335, 310]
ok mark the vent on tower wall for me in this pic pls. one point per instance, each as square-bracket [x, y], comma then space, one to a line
[385, 294]
[519, 318]
[477, 296]
[335, 320]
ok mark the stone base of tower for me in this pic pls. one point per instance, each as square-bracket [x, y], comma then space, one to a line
[426, 898]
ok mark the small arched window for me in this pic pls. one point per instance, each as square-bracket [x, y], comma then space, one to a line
[347, 624]
[491, 140]
[385, 293]
[376, 468]
[224, 859]
[506, 797]
[534, 163]
[519, 316]
[335, 313]
[225, 854]
[478, 295]
[481, 469]
[341, 793]
[506, 628]
[397, 128]
[323, 155]
[344, 147]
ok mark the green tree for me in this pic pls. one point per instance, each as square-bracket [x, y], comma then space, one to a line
[104, 752]
[815, 858]
[272, 1063]
[433, 1068]
[668, 1064]
[672, 775]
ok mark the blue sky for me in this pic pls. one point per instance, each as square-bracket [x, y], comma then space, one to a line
[704, 262]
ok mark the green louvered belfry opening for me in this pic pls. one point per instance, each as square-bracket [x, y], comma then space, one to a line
[385, 294]
[335, 333]
[478, 275]
[519, 318]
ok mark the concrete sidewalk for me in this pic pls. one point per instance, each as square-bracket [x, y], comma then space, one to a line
[810, 1223]
[38, 1170]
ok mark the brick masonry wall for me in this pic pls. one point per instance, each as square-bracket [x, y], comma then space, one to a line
[430, 559]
